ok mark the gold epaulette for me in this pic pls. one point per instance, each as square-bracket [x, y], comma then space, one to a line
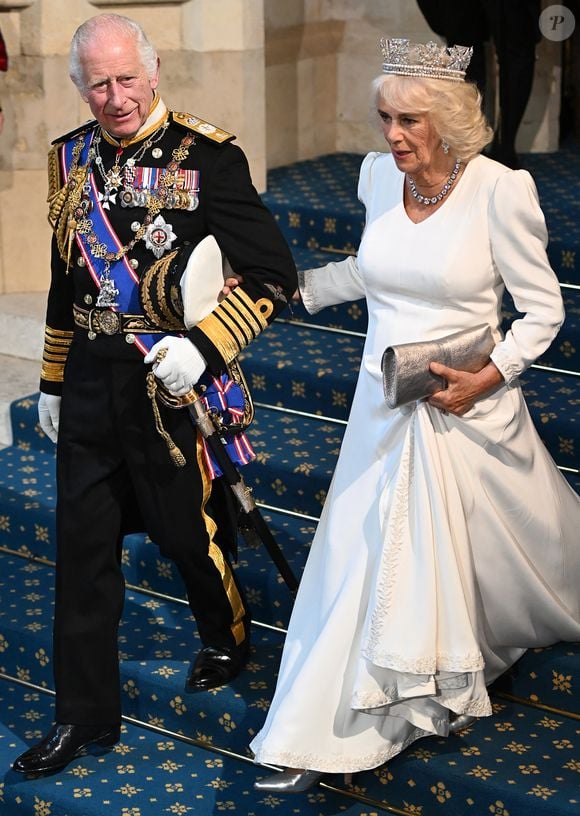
[61, 203]
[237, 320]
[90, 123]
[56, 347]
[212, 132]
[55, 180]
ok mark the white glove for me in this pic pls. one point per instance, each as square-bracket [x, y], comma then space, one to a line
[182, 366]
[48, 414]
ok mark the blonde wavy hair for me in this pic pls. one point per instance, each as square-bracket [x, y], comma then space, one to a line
[454, 109]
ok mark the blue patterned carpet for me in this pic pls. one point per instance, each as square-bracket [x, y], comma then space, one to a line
[187, 754]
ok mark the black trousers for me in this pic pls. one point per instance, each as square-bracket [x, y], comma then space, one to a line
[114, 476]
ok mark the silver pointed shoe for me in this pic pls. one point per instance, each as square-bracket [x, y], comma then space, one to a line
[288, 781]
[460, 722]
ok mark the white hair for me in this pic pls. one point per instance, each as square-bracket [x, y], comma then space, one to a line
[113, 23]
[454, 109]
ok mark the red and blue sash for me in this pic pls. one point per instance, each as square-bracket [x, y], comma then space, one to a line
[221, 393]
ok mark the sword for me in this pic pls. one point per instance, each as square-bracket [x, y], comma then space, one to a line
[255, 528]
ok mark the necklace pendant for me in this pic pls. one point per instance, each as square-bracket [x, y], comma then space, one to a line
[107, 198]
[107, 298]
[114, 178]
[108, 292]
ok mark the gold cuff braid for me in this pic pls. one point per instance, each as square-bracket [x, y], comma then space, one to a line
[56, 346]
[236, 322]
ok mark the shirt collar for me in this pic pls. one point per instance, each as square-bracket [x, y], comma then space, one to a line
[158, 113]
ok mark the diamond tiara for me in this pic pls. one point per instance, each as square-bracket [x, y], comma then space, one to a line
[400, 56]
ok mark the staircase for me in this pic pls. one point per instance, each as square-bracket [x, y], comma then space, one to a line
[182, 753]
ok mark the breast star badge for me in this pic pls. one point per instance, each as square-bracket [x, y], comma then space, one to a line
[159, 236]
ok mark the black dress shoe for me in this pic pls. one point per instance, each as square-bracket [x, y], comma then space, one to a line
[62, 744]
[215, 666]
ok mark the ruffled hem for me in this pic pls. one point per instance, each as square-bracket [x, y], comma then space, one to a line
[426, 665]
[343, 764]
[382, 704]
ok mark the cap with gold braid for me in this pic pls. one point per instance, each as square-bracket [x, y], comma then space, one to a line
[402, 57]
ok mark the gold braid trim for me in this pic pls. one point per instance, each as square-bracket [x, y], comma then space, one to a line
[237, 325]
[55, 353]
[237, 375]
[156, 275]
[54, 176]
[175, 453]
[244, 318]
[216, 555]
[261, 310]
[64, 200]
[236, 322]
[188, 120]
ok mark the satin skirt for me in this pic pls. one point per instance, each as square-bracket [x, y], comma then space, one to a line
[447, 546]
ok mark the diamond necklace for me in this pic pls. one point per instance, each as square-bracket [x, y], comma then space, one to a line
[441, 194]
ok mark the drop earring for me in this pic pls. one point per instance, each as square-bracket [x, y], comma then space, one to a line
[445, 147]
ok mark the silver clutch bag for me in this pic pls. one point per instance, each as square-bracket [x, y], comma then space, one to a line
[406, 374]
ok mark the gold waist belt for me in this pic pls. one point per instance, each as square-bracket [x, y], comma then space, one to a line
[106, 321]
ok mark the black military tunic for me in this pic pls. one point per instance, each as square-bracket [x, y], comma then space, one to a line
[114, 472]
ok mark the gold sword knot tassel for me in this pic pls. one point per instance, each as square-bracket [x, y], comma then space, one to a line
[175, 453]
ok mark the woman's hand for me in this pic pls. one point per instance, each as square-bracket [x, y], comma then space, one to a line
[234, 280]
[229, 286]
[463, 389]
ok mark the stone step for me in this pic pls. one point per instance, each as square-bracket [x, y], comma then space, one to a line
[521, 756]
[564, 352]
[158, 639]
[18, 377]
[269, 599]
[150, 772]
[21, 340]
[311, 370]
[545, 677]
[295, 460]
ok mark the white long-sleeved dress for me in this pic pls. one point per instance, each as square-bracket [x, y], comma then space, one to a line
[447, 545]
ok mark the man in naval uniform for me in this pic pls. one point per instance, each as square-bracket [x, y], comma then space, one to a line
[126, 190]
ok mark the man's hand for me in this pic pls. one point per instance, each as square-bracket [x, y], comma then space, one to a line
[463, 389]
[181, 366]
[48, 415]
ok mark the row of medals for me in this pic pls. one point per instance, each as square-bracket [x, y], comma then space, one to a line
[130, 196]
[159, 234]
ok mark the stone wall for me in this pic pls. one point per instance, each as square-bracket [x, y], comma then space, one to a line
[289, 77]
[321, 56]
[212, 59]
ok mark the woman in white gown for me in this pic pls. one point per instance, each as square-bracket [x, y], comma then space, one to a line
[434, 565]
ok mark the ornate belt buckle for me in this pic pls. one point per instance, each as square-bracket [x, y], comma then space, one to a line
[109, 322]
